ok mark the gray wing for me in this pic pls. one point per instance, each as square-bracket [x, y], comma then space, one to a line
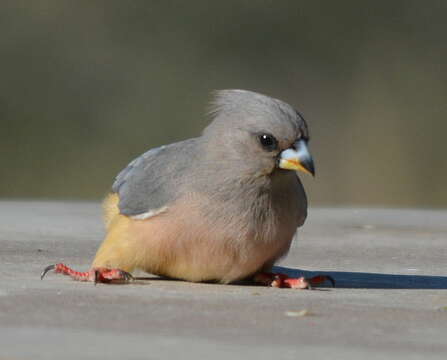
[148, 183]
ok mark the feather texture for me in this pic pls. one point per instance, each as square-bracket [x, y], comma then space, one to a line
[214, 207]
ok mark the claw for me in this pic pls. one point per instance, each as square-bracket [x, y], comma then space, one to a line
[331, 280]
[96, 279]
[96, 275]
[284, 281]
[111, 275]
[48, 268]
[64, 269]
[127, 276]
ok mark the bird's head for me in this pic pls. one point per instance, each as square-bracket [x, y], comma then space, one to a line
[261, 133]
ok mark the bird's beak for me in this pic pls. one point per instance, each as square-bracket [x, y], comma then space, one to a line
[297, 158]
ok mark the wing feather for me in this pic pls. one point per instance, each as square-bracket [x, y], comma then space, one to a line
[145, 185]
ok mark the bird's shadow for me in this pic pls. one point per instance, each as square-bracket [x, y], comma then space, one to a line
[362, 280]
[355, 280]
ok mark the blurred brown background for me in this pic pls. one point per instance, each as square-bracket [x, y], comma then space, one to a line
[88, 85]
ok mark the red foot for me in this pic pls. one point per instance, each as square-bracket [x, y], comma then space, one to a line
[284, 281]
[96, 275]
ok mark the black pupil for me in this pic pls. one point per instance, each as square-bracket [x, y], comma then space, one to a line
[268, 141]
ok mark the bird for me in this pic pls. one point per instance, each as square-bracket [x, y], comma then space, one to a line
[220, 207]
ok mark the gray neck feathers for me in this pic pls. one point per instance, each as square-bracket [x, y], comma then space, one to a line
[238, 201]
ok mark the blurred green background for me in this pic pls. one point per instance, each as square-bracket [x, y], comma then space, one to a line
[88, 85]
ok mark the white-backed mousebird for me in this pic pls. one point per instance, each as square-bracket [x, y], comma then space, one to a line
[223, 206]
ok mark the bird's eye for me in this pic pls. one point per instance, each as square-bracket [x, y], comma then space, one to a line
[268, 142]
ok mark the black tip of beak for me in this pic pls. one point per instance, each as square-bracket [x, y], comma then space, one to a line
[308, 164]
[304, 157]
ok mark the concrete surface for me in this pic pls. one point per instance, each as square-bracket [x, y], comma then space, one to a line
[390, 301]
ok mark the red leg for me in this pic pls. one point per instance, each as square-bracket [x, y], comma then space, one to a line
[284, 281]
[96, 275]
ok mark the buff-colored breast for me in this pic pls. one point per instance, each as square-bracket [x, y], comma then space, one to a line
[180, 243]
